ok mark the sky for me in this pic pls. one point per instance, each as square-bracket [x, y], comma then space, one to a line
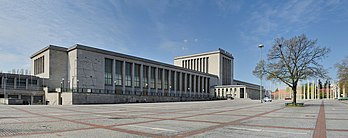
[163, 29]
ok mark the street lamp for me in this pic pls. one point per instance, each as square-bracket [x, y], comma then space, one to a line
[62, 83]
[77, 85]
[5, 81]
[261, 70]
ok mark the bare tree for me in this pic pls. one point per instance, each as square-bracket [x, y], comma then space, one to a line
[342, 71]
[293, 60]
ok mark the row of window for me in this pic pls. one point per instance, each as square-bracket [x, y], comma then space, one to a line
[165, 78]
[20, 82]
[198, 64]
[226, 71]
[222, 92]
[39, 65]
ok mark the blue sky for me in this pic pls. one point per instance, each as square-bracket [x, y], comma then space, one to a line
[163, 29]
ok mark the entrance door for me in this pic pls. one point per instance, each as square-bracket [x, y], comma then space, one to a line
[241, 93]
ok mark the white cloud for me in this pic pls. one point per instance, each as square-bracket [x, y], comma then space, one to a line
[270, 20]
[27, 26]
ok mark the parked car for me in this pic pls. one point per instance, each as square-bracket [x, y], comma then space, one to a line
[267, 99]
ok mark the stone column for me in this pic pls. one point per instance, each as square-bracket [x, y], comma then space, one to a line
[318, 90]
[31, 100]
[344, 91]
[15, 82]
[308, 89]
[327, 92]
[312, 91]
[338, 92]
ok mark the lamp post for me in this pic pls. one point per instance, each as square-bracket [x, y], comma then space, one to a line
[77, 85]
[5, 81]
[62, 84]
[261, 70]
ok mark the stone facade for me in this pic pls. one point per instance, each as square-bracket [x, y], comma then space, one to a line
[87, 71]
[219, 63]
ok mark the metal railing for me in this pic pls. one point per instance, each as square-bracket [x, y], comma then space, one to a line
[136, 93]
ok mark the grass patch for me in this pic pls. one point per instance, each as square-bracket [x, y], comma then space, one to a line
[294, 105]
[345, 98]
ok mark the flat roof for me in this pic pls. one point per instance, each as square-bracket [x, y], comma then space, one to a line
[47, 48]
[102, 51]
[221, 51]
[11, 75]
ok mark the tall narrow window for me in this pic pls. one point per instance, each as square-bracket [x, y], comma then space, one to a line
[153, 78]
[39, 65]
[137, 75]
[207, 65]
[193, 83]
[128, 74]
[166, 79]
[159, 79]
[183, 76]
[108, 71]
[188, 82]
[118, 73]
[177, 81]
[146, 76]
[197, 88]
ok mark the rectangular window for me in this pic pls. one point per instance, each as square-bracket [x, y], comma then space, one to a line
[108, 71]
[201, 84]
[10, 83]
[207, 65]
[137, 75]
[166, 79]
[32, 82]
[159, 78]
[128, 74]
[197, 88]
[145, 76]
[172, 80]
[21, 83]
[193, 83]
[183, 76]
[208, 83]
[178, 81]
[241, 94]
[188, 82]
[153, 78]
[118, 73]
[39, 65]
[200, 64]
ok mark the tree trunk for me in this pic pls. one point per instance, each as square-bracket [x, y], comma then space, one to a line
[294, 88]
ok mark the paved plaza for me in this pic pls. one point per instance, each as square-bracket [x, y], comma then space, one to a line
[240, 118]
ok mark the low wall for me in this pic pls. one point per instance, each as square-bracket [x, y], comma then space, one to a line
[3, 101]
[92, 98]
